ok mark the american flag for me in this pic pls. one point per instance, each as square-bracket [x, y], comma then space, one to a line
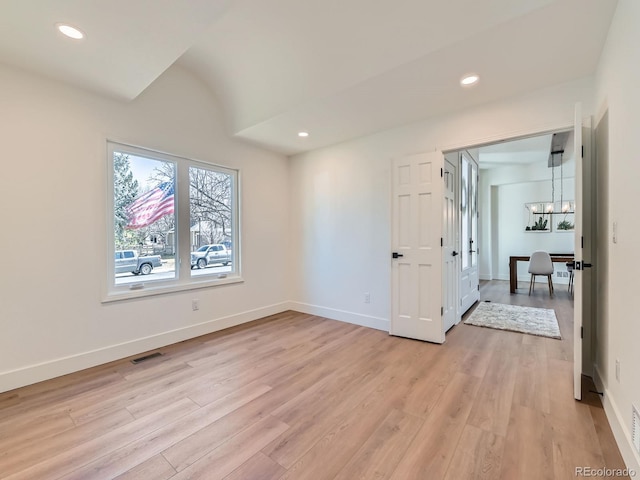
[151, 206]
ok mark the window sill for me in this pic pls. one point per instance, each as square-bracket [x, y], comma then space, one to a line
[149, 290]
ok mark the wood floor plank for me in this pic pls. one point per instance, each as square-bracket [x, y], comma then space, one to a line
[478, 455]
[14, 459]
[187, 451]
[42, 426]
[322, 415]
[528, 452]
[532, 379]
[380, 454]
[434, 445]
[430, 380]
[258, 467]
[77, 457]
[340, 442]
[233, 453]
[124, 458]
[610, 453]
[156, 468]
[491, 410]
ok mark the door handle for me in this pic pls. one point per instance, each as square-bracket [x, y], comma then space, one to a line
[582, 265]
[396, 255]
[454, 254]
[472, 251]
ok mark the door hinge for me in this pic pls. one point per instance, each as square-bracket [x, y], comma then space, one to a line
[581, 332]
[581, 242]
[582, 152]
[478, 287]
[441, 173]
[441, 311]
[441, 242]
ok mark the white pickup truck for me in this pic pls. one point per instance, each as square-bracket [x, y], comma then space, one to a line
[210, 254]
[129, 261]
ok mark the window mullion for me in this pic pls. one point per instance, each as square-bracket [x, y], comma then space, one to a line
[182, 222]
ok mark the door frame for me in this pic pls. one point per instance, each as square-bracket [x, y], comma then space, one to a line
[506, 137]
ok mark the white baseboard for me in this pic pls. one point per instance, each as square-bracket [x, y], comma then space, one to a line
[341, 315]
[73, 363]
[486, 277]
[619, 425]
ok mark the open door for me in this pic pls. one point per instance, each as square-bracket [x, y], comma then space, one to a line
[577, 245]
[584, 249]
[450, 236]
[416, 271]
[469, 273]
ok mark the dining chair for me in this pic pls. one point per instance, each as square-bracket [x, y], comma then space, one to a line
[540, 264]
[570, 270]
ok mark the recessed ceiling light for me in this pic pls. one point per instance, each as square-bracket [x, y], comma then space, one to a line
[69, 31]
[303, 134]
[469, 80]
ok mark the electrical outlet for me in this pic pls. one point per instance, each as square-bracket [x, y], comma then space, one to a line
[195, 304]
[367, 297]
[617, 370]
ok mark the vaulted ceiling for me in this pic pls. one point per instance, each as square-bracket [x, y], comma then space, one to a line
[338, 69]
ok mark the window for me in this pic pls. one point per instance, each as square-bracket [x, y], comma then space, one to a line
[159, 245]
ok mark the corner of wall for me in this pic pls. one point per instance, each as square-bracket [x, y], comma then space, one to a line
[341, 315]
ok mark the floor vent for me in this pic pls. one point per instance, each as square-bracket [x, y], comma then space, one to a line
[635, 429]
[146, 357]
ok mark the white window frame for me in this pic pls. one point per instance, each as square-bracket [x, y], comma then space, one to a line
[183, 280]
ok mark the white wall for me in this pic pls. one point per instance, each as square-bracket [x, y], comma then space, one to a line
[53, 224]
[504, 215]
[340, 198]
[618, 331]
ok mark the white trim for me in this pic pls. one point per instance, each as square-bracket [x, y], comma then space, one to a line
[618, 424]
[152, 288]
[46, 370]
[512, 135]
[342, 315]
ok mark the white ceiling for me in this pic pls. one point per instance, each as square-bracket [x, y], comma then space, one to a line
[337, 68]
[129, 43]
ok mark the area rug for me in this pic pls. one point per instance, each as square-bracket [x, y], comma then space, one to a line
[534, 321]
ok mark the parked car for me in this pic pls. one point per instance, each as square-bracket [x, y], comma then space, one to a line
[210, 254]
[130, 261]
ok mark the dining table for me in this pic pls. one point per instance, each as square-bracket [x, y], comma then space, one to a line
[513, 266]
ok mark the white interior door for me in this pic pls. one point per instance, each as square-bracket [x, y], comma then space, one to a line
[416, 283]
[584, 248]
[450, 237]
[577, 279]
[469, 275]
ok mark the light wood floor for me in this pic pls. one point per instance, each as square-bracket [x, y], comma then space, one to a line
[300, 397]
